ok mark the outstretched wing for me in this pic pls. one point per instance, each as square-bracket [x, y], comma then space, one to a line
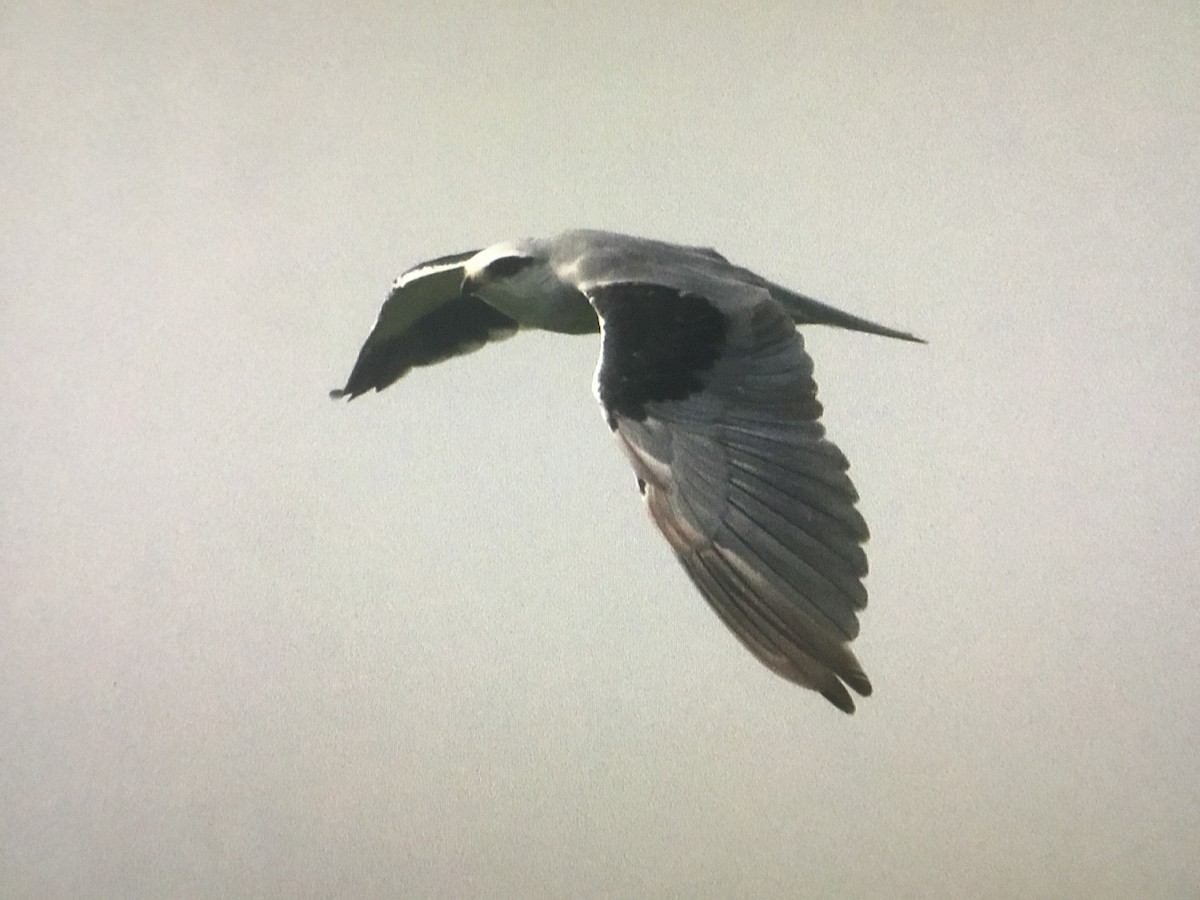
[425, 319]
[715, 405]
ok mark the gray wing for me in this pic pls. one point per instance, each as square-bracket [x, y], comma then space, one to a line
[718, 413]
[425, 320]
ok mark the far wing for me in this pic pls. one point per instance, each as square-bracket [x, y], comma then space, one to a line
[718, 413]
[426, 319]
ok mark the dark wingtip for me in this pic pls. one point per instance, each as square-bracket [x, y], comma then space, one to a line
[835, 692]
[337, 394]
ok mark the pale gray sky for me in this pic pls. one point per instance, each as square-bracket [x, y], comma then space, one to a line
[257, 644]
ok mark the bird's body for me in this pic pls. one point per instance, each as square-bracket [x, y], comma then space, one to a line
[704, 381]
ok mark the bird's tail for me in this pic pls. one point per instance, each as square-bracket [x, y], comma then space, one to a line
[807, 311]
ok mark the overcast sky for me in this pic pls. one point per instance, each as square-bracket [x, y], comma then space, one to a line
[257, 644]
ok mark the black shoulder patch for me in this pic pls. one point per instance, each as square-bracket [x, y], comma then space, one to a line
[456, 327]
[657, 343]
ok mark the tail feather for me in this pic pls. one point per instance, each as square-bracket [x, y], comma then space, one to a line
[807, 311]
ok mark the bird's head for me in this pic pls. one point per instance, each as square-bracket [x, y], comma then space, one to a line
[518, 279]
[512, 267]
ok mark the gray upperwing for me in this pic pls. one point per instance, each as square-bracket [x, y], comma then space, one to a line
[718, 414]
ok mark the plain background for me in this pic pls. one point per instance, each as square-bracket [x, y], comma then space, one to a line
[257, 644]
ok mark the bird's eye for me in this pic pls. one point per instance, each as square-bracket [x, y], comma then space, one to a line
[507, 266]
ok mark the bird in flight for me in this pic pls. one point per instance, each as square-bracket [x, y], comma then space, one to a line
[706, 386]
